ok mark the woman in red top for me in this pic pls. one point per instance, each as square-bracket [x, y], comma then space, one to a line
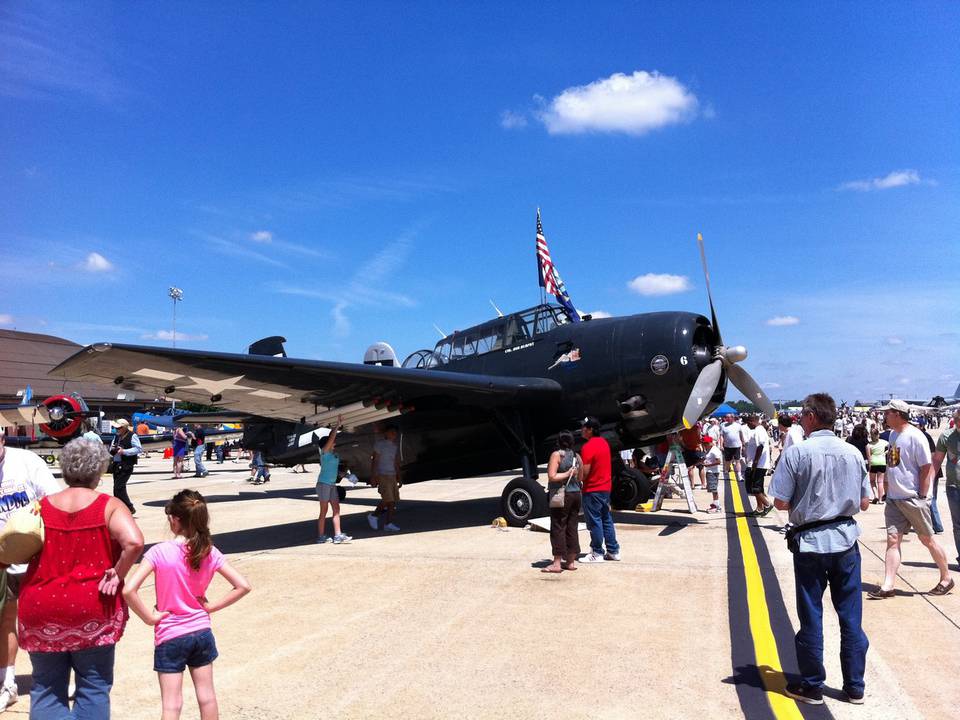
[71, 613]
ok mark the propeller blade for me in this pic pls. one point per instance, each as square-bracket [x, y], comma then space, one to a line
[703, 390]
[748, 386]
[706, 276]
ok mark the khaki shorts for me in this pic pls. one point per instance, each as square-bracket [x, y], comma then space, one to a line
[900, 515]
[9, 588]
[388, 487]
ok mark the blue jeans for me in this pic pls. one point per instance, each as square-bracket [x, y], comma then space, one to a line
[841, 571]
[953, 501]
[934, 510]
[596, 513]
[93, 668]
[198, 467]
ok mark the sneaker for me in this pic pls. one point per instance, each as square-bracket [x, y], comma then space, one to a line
[8, 696]
[804, 693]
[713, 508]
[341, 538]
[854, 696]
[614, 557]
[323, 539]
[592, 557]
[391, 527]
[372, 519]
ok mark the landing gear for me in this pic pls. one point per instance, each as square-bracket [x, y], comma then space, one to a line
[522, 500]
[631, 487]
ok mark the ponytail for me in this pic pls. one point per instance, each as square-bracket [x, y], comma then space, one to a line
[189, 507]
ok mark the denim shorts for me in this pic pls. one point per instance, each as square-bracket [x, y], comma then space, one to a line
[194, 649]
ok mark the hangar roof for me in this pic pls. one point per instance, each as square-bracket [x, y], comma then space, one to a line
[25, 359]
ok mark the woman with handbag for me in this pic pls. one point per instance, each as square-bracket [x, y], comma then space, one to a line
[564, 489]
[71, 611]
[179, 451]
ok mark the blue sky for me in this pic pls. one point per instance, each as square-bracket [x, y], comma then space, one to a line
[348, 173]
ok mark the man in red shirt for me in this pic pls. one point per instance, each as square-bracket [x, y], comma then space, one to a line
[596, 494]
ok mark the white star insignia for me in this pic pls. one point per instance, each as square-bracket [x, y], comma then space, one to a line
[215, 387]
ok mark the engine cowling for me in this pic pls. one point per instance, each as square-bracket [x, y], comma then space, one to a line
[66, 416]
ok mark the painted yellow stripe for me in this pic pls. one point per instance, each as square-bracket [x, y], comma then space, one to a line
[765, 647]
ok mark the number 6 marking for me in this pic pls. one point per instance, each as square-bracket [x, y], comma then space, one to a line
[683, 359]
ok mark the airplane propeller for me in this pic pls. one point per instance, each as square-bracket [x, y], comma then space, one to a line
[725, 358]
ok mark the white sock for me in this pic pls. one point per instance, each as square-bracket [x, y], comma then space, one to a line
[9, 676]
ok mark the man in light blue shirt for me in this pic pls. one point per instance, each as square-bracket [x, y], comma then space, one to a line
[823, 482]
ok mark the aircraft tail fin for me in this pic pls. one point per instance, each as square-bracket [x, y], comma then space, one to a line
[272, 346]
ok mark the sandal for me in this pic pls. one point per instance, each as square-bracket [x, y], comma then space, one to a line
[568, 566]
[942, 589]
[551, 571]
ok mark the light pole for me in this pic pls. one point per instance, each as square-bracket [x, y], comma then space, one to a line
[176, 294]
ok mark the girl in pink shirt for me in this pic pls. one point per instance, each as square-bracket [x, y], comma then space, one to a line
[184, 568]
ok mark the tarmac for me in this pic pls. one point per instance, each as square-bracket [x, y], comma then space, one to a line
[452, 618]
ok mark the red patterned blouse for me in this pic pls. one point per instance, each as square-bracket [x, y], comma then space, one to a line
[61, 607]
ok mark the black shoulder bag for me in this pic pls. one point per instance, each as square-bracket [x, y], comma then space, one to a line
[793, 534]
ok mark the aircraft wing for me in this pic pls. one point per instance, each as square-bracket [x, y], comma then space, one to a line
[217, 418]
[11, 415]
[291, 389]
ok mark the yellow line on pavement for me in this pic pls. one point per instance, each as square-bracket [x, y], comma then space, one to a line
[764, 644]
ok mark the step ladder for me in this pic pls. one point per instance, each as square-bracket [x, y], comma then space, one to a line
[679, 479]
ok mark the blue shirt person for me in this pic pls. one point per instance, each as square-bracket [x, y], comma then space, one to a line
[822, 480]
[327, 488]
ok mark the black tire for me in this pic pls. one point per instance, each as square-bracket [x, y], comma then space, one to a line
[624, 493]
[630, 488]
[522, 500]
[341, 493]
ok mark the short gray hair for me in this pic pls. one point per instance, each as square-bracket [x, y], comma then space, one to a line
[82, 462]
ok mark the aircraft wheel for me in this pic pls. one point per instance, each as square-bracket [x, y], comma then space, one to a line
[341, 493]
[625, 490]
[523, 499]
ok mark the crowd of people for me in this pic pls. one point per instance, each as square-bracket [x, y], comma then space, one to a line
[832, 464]
[827, 465]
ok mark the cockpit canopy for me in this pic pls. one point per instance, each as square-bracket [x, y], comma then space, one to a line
[499, 334]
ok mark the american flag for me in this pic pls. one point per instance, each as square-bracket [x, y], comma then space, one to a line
[544, 262]
[549, 277]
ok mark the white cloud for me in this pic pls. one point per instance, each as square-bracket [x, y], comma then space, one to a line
[771, 386]
[57, 50]
[262, 236]
[96, 263]
[168, 336]
[511, 120]
[894, 341]
[6, 319]
[783, 321]
[632, 104]
[364, 288]
[227, 247]
[897, 178]
[662, 284]
[598, 314]
[341, 323]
